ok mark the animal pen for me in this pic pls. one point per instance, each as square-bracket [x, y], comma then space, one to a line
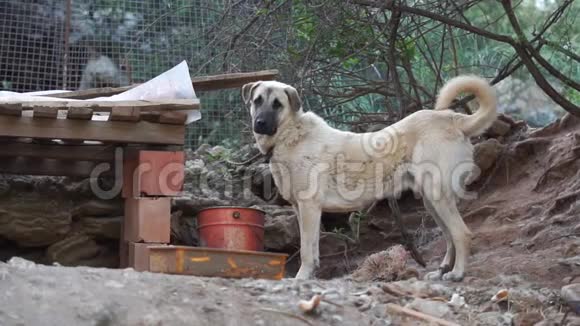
[80, 44]
[145, 140]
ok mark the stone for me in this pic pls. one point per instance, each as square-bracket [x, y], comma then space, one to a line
[102, 227]
[34, 219]
[281, 229]
[494, 318]
[193, 204]
[434, 308]
[72, 250]
[571, 295]
[385, 265]
[486, 153]
[529, 318]
[98, 208]
[498, 128]
[183, 230]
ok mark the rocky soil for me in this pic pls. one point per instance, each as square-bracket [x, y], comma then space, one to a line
[525, 221]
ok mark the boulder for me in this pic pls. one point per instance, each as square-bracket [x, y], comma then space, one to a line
[571, 296]
[281, 228]
[494, 318]
[183, 230]
[98, 208]
[72, 250]
[498, 128]
[102, 227]
[34, 220]
[430, 307]
[486, 153]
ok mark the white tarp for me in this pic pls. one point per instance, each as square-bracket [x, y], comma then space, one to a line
[174, 84]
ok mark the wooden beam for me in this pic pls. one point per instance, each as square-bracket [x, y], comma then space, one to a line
[105, 131]
[95, 153]
[45, 112]
[79, 113]
[13, 109]
[107, 106]
[210, 83]
[50, 167]
[125, 114]
[203, 83]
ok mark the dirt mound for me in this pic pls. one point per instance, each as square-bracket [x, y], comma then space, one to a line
[525, 216]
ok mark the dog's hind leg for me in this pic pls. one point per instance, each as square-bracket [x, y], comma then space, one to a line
[446, 209]
[449, 258]
[309, 222]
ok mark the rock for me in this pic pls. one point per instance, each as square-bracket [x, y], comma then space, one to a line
[493, 318]
[486, 153]
[193, 204]
[34, 220]
[21, 263]
[98, 208]
[281, 229]
[527, 318]
[102, 227]
[385, 266]
[498, 128]
[4, 186]
[571, 295]
[434, 308]
[183, 230]
[72, 250]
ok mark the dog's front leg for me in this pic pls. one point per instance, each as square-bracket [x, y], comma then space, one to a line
[309, 221]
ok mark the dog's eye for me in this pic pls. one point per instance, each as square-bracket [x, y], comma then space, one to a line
[276, 104]
[258, 100]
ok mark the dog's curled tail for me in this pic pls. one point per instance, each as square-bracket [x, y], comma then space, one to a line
[477, 123]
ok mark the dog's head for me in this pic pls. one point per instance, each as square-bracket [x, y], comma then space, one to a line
[271, 103]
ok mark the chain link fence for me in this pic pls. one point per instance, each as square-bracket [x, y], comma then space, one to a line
[72, 45]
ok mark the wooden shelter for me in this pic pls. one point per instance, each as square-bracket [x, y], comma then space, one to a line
[60, 138]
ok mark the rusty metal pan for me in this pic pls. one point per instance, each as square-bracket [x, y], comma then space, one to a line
[212, 262]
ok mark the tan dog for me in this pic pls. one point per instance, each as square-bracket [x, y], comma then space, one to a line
[319, 169]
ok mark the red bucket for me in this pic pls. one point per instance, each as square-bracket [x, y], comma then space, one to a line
[235, 228]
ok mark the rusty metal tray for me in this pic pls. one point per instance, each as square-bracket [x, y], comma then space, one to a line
[211, 262]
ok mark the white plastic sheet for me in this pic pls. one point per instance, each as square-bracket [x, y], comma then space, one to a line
[173, 84]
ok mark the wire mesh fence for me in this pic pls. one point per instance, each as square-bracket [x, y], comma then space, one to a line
[81, 44]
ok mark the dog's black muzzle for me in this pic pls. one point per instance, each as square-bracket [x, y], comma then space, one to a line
[265, 123]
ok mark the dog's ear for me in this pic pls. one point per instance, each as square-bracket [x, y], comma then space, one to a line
[293, 98]
[248, 91]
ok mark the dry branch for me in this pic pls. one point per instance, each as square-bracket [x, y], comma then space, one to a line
[396, 309]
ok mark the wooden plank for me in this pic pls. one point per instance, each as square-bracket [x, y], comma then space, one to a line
[203, 83]
[79, 113]
[106, 131]
[49, 167]
[125, 114]
[107, 106]
[173, 118]
[95, 153]
[45, 112]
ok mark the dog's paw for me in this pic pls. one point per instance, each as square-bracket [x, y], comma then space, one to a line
[433, 276]
[453, 276]
[303, 274]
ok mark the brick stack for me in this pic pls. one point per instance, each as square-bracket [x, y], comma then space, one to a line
[150, 179]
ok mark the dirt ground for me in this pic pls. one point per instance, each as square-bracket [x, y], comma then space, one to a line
[525, 224]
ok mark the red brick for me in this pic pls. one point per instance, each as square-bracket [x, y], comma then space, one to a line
[147, 220]
[153, 173]
[139, 256]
